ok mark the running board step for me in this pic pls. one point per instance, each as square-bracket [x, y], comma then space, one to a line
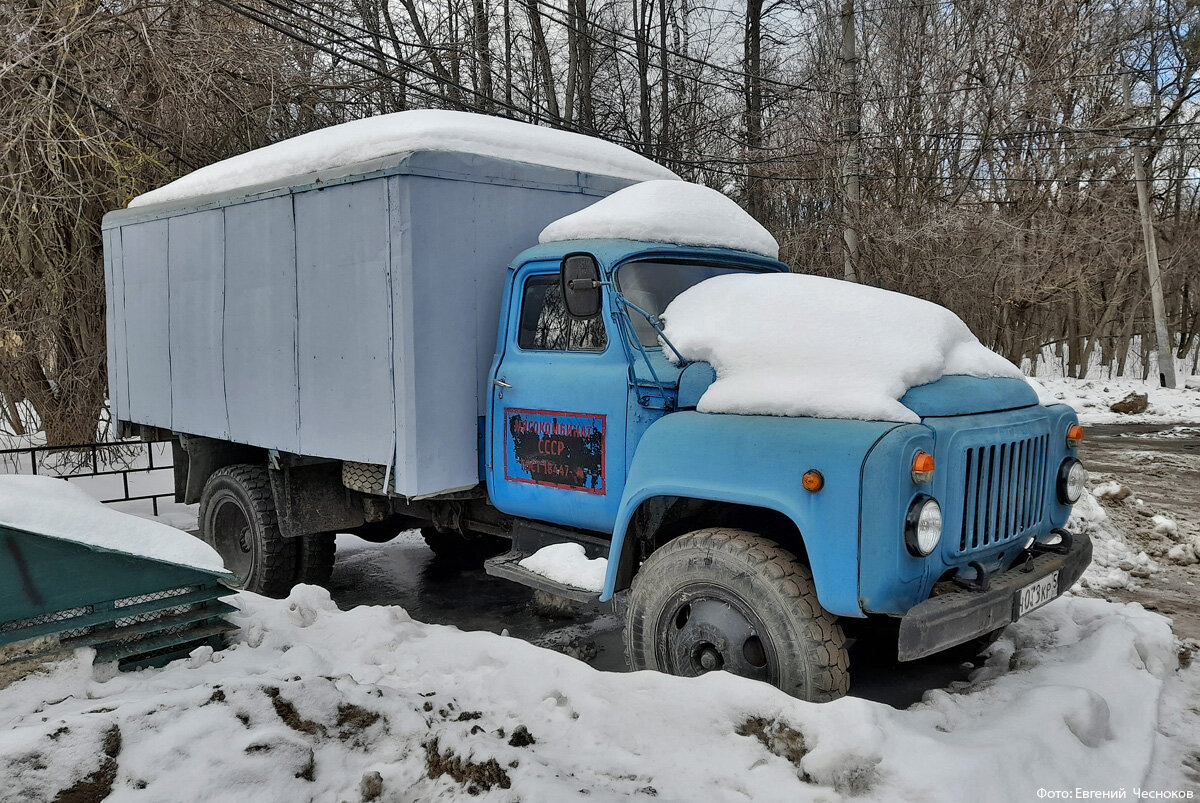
[508, 566]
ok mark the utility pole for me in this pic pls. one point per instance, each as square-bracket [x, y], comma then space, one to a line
[853, 122]
[1166, 352]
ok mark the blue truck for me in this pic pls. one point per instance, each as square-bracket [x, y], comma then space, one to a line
[378, 348]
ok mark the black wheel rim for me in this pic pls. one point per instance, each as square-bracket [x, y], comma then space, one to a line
[711, 628]
[232, 537]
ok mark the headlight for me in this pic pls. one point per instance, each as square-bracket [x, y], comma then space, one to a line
[923, 526]
[1072, 479]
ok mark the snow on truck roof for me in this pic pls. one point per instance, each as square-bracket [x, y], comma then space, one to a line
[666, 211]
[793, 345]
[341, 146]
[56, 508]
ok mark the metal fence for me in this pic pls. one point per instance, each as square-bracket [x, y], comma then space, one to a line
[116, 459]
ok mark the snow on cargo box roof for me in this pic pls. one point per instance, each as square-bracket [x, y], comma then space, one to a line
[338, 147]
[794, 345]
[56, 508]
[670, 212]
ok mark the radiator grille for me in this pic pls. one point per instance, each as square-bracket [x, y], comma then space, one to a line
[1005, 492]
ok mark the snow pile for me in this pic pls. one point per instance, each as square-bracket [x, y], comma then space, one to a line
[341, 146]
[315, 703]
[1092, 399]
[1044, 396]
[1164, 525]
[1158, 537]
[1114, 562]
[670, 212]
[567, 564]
[794, 345]
[54, 507]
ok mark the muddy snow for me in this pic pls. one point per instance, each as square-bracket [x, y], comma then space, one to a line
[315, 703]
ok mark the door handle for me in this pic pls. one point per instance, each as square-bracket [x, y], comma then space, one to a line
[500, 383]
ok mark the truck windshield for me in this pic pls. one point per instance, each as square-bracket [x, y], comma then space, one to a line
[654, 285]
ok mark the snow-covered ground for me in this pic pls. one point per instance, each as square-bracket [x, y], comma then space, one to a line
[313, 703]
[1092, 399]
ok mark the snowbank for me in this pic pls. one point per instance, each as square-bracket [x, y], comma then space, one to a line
[1114, 562]
[567, 564]
[315, 703]
[670, 212]
[341, 146]
[1092, 398]
[55, 507]
[794, 345]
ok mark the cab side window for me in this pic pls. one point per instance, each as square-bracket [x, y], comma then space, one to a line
[545, 324]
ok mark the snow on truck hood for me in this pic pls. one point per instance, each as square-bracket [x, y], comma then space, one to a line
[341, 146]
[793, 345]
[56, 508]
[666, 211]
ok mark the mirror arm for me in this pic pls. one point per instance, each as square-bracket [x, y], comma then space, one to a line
[653, 321]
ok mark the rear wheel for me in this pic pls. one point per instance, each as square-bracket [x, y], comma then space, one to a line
[314, 558]
[237, 518]
[728, 599]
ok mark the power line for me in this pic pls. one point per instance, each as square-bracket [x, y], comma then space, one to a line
[586, 23]
[138, 130]
[705, 162]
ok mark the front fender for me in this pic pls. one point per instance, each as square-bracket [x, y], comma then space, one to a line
[759, 460]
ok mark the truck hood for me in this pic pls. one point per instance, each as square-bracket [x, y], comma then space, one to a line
[956, 394]
[967, 395]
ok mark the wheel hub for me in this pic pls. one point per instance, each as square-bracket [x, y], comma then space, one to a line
[709, 659]
[708, 634]
[233, 537]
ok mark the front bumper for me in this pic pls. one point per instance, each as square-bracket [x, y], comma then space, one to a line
[949, 619]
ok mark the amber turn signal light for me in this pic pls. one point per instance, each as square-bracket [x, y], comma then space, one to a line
[922, 468]
[1074, 436]
[812, 480]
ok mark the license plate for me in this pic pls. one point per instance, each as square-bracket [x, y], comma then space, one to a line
[1037, 594]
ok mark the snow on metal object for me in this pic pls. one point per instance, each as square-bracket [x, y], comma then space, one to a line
[667, 211]
[351, 319]
[333, 151]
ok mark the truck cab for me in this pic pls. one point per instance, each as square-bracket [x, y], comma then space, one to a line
[593, 427]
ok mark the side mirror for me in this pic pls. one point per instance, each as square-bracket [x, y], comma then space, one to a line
[581, 285]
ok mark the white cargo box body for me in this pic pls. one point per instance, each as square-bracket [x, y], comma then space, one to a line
[352, 318]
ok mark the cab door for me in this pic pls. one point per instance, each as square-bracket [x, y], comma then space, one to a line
[559, 402]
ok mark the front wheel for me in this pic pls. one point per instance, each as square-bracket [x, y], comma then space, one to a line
[728, 599]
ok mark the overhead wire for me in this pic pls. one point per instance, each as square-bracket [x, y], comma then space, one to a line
[702, 161]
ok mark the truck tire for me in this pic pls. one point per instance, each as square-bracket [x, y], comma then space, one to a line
[237, 518]
[314, 558]
[458, 550]
[727, 599]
